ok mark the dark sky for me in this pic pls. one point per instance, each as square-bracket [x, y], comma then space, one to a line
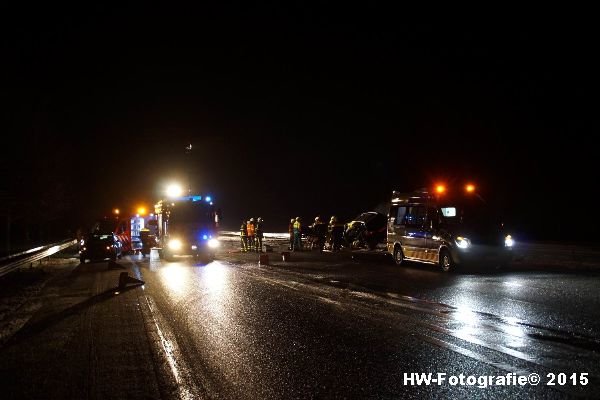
[299, 111]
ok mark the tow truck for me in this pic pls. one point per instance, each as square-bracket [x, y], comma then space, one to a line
[187, 225]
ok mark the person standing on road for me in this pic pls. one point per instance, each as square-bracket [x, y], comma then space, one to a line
[291, 232]
[297, 235]
[250, 230]
[244, 236]
[319, 231]
[258, 232]
[336, 231]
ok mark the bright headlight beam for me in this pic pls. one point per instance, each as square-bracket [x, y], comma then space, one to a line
[175, 244]
[462, 242]
[509, 241]
[213, 243]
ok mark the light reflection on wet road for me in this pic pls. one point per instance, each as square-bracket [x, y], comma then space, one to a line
[338, 328]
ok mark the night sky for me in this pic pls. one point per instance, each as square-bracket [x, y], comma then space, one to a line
[297, 111]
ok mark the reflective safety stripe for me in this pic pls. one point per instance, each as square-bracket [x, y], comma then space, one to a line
[126, 241]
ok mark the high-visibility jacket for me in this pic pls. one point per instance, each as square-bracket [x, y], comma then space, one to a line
[250, 229]
[243, 230]
[297, 226]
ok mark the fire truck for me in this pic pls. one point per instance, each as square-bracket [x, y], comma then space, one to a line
[130, 231]
[188, 225]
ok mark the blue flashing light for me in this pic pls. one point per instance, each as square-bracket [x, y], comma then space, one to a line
[187, 198]
[208, 199]
[204, 237]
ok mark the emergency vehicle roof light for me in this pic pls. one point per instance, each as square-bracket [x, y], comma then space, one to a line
[470, 188]
[439, 189]
[208, 199]
[174, 190]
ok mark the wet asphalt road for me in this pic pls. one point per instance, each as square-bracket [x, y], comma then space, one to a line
[318, 326]
[333, 326]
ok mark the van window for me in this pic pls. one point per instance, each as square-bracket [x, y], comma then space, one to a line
[399, 214]
[433, 217]
[415, 216]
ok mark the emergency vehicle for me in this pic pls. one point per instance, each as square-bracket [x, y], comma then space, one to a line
[188, 225]
[129, 231]
[446, 227]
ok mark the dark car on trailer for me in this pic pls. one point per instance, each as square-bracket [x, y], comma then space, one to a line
[366, 230]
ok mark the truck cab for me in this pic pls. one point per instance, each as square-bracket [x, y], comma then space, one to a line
[448, 230]
[188, 225]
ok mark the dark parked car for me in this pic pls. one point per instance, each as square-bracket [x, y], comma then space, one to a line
[100, 246]
[366, 231]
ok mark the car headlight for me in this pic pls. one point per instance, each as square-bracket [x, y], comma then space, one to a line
[175, 244]
[509, 241]
[462, 242]
[213, 243]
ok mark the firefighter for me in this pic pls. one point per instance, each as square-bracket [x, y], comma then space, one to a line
[244, 237]
[258, 233]
[250, 229]
[297, 235]
[336, 231]
[319, 231]
[291, 232]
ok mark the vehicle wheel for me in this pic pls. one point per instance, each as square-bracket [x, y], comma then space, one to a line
[113, 259]
[119, 256]
[446, 262]
[82, 260]
[398, 255]
[168, 256]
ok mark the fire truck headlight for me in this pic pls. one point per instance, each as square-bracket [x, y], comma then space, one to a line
[462, 242]
[213, 243]
[175, 244]
[509, 241]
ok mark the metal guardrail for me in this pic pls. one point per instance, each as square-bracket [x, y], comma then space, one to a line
[8, 264]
